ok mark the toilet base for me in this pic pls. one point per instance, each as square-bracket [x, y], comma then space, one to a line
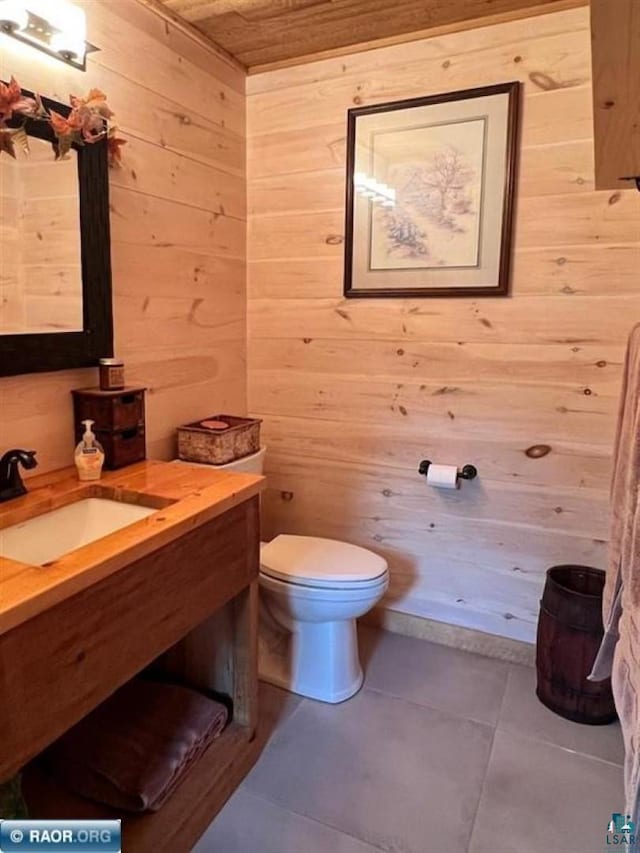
[318, 660]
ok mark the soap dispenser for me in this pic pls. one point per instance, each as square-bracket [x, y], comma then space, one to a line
[89, 456]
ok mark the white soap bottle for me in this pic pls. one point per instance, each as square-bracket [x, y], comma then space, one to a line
[89, 455]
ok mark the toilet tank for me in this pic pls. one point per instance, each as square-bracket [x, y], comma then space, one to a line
[253, 464]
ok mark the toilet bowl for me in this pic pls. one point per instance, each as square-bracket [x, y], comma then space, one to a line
[311, 592]
[315, 589]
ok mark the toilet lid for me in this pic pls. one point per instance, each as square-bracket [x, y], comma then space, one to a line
[313, 561]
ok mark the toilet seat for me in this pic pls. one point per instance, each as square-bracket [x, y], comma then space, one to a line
[344, 592]
[318, 563]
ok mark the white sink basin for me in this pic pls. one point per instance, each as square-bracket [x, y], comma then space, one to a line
[47, 537]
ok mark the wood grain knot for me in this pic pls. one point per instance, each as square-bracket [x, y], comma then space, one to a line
[334, 239]
[537, 451]
[544, 81]
[287, 497]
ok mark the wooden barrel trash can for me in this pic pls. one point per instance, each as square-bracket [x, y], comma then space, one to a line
[570, 630]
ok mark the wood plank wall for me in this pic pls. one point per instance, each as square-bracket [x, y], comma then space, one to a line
[178, 225]
[355, 393]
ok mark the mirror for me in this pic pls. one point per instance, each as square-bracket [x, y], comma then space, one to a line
[41, 264]
[55, 273]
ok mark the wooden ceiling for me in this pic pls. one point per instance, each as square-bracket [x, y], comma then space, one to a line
[268, 33]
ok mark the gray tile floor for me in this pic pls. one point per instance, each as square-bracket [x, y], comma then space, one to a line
[442, 750]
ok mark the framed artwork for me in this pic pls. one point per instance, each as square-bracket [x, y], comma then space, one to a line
[430, 191]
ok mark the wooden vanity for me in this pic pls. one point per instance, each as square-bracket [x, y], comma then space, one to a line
[75, 629]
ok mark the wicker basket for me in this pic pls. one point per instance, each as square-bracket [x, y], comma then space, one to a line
[219, 439]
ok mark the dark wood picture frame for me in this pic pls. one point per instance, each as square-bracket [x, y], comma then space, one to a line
[512, 90]
[46, 351]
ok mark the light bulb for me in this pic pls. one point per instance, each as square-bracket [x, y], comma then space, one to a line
[69, 25]
[68, 45]
[72, 23]
[13, 15]
[61, 14]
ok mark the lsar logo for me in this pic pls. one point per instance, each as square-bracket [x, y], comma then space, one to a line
[621, 831]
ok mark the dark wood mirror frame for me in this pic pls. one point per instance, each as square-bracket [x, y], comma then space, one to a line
[45, 351]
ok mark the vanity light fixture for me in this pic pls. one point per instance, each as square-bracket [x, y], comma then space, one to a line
[56, 27]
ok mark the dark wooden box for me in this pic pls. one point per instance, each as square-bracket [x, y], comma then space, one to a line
[119, 422]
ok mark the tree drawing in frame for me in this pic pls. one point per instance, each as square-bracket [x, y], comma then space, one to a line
[449, 161]
[437, 175]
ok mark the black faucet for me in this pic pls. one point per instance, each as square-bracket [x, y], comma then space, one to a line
[11, 485]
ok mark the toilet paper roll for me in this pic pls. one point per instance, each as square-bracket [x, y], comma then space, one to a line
[442, 476]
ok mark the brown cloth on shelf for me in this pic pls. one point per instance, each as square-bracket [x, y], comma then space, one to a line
[132, 751]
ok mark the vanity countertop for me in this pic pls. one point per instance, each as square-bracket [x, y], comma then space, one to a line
[184, 496]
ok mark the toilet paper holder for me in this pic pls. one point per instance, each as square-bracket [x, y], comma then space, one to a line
[467, 472]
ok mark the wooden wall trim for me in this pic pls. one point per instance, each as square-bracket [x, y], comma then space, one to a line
[402, 38]
[452, 636]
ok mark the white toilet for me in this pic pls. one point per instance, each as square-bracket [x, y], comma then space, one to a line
[312, 591]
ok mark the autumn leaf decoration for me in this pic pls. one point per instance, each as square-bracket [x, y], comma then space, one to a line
[12, 101]
[89, 121]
